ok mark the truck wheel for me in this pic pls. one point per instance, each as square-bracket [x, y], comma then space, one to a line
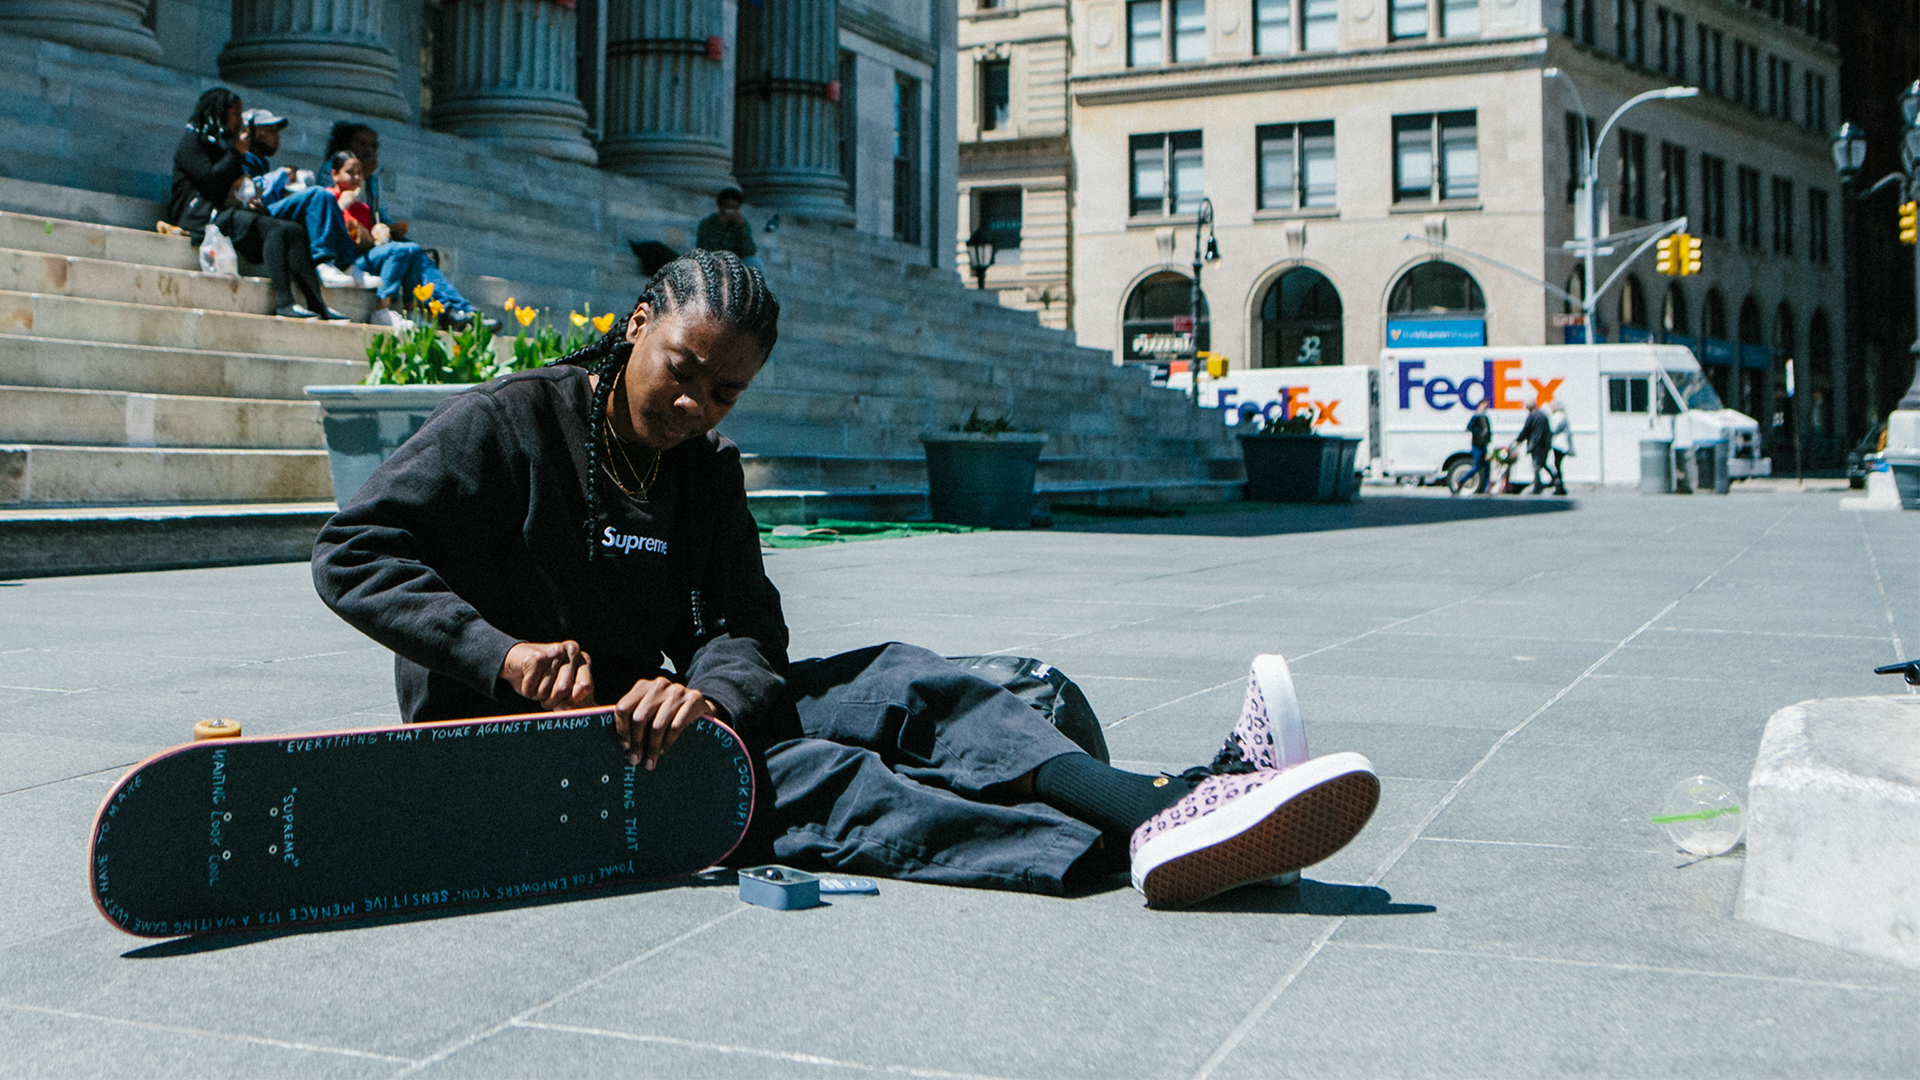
[1456, 474]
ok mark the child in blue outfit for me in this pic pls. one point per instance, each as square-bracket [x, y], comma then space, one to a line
[580, 535]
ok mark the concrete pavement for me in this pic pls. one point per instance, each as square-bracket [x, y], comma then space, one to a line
[1530, 676]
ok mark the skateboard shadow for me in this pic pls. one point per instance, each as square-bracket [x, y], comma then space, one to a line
[1313, 898]
[1370, 511]
[189, 946]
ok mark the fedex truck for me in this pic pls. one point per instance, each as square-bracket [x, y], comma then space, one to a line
[1414, 407]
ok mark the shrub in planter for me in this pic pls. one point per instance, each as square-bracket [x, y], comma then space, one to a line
[1286, 463]
[981, 473]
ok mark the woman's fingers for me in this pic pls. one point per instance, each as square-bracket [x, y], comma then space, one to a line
[558, 675]
[651, 716]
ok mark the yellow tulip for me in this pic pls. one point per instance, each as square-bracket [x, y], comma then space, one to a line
[436, 307]
[423, 292]
[509, 304]
[526, 315]
[603, 323]
[579, 319]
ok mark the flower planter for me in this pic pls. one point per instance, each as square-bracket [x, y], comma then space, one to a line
[365, 424]
[1300, 468]
[1904, 464]
[982, 480]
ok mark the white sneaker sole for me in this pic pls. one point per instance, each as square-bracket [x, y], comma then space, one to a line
[1292, 821]
[1275, 684]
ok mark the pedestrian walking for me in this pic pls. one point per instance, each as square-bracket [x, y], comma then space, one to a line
[1560, 431]
[1537, 437]
[1480, 431]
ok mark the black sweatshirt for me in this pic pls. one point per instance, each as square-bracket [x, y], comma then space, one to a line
[473, 536]
[204, 170]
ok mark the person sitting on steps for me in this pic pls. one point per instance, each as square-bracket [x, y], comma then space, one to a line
[357, 242]
[557, 538]
[208, 162]
[292, 195]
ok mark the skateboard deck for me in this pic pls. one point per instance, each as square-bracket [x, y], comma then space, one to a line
[269, 833]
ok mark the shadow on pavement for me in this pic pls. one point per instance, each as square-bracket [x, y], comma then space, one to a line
[1273, 519]
[1314, 898]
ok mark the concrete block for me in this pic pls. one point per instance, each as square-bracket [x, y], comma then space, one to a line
[34, 414]
[160, 538]
[71, 475]
[1833, 826]
[47, 315]
[89, 365]
[53, 235]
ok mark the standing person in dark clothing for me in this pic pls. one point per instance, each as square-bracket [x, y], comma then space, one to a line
[559, 537]
[726, 229]
[1536, 434]
[210, 158]
[1480, 430]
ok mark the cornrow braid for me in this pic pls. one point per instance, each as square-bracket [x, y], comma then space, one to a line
[715, 282]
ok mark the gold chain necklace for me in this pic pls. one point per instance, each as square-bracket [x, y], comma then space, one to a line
[614, 449]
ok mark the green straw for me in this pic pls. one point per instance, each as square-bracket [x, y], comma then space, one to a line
[1703, 815]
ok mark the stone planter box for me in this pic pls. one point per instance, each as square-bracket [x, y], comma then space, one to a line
[1904, 464]
[1300, 468]
[982, 480]
[365, 424]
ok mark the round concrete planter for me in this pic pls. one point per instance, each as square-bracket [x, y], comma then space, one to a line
[366, 424]
[1300, 468]
[982, 480]
[1904, 464]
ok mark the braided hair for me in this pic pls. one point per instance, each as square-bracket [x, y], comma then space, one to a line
[715, 282]
[209, 120]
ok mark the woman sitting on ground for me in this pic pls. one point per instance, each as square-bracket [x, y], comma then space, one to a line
[361, 243]
[553, 538]
[209, 161]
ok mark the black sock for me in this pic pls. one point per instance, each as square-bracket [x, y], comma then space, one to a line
[1110, 800]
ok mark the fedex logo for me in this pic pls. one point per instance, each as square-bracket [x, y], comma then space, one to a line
[1496, 385]
[1287, 402]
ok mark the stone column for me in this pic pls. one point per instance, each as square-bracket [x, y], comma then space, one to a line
[786, 147]
[108, 26]
[505, 72]
[329, 52]
[666, 92]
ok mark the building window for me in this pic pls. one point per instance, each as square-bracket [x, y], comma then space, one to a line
[997, 213]
[1435, 156]
[1672, 34]
[906, 159]
[1321, 29]
[1157, 321]
[1460, 18]
[1408, 19]
[1296, 165]
[1148, 43]
[1817, 226]
[1633, 174]
[1753, 77]
[1436, 288]
[1713, 197]
[1749, 194]
[996, 94]
[1712, 70]
[1782, 216]
[1273, 27]
[1167, 177]
[1673, 315]
[1815, 102]
[1673, 181]
[1630, 32]
[1578, 133]
[1301, 320]
[1739, 70]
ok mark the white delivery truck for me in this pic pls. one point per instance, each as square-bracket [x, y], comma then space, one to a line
[1413, 418]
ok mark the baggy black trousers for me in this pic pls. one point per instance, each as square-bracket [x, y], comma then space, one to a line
[892, 773]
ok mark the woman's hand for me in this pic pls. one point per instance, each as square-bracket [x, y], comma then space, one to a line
[381, 234]
[558, 675]
[651, 716]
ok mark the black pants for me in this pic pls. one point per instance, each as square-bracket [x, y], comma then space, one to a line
[281, 247]
[895, 775]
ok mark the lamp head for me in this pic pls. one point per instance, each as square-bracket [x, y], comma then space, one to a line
[980, 250]
[1849, 150]
[1680, 92]
[1910, 102]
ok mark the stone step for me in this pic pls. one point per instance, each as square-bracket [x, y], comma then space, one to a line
[146, 369]
[774, 506]
[122, 539]
[901, 472]
[104, 279]
[75, 319]
[78, 475]
[55, 236]
[37, 414]
[76, 204]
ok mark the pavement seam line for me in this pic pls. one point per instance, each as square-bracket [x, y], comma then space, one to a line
[777, 1055]
[523, 1015]
[176, 1029]
[1260, 1008]
[1613, 965]
[1886, 602]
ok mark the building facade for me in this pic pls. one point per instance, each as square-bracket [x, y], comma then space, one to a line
[1399, 171]
[837, 110]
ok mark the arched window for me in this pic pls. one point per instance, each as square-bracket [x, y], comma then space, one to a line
[1633, 304]
[1717, 354]
[1716, 324]
[1436, 303]
[1750, 322]
[1300, 321]
[1820, 414]
[1436, 288]
[1674, 322]
[1747, 391]
[1156, 305]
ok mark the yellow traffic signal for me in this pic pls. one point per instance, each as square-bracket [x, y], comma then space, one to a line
[1690, 256]
[1216, 366]
[1677, 255]
[1909, 221]
[1666, 260]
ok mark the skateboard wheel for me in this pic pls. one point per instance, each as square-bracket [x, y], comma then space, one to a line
[218, 728]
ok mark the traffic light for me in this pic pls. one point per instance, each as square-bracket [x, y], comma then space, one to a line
[1678, 255]
[1909, 221]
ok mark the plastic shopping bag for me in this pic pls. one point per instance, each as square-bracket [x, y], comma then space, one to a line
[217, 255]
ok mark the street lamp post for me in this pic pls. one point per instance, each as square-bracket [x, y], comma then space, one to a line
[1202, 254]
[1590, 179]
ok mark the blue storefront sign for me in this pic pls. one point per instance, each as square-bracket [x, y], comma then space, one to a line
[1634, 335]
[1436, 333]
[1756, 356]
[1686, 341]
[1719, 352]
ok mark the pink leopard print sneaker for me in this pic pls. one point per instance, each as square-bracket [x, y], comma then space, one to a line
[1239, 828]
[1270, 734]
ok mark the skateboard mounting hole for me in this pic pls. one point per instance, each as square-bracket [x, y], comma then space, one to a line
[603, 778]
[603, 815]
[273, 849]
[226, 855]
[563, 819]
[563, 783]
[275, 812]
